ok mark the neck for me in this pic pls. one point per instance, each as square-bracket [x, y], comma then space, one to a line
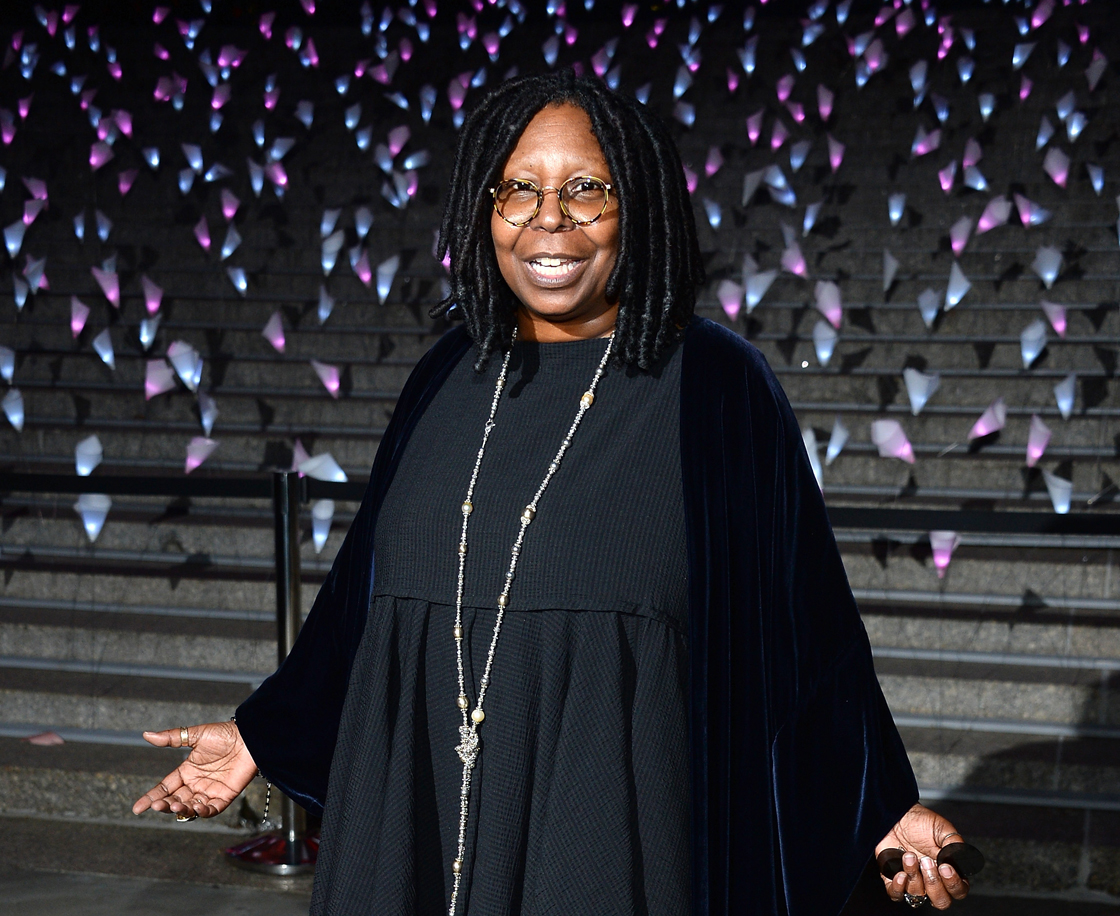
[534, 327]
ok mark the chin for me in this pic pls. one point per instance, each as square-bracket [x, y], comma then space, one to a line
[561, 314]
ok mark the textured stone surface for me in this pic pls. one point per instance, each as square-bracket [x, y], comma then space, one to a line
[40, 894]
[108, 712]
[986, 699]
[949, 769]
[159, 649]
[985, 635]
[95, 795]
[187, 853]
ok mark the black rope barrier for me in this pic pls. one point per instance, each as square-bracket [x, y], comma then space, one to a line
[197, 487]
[885, 518]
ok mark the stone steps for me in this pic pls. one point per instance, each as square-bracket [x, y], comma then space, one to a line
[92, 651]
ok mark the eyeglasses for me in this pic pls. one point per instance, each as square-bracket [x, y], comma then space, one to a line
[583, 200]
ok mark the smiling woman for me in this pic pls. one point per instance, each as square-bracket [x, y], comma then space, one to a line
[588, 647]
[641, 253]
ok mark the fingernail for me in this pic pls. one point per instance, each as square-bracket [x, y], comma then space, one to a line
[909, 859]
[927, 865]
[946, 871]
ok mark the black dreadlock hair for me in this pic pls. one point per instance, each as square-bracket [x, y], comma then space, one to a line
[658, 266]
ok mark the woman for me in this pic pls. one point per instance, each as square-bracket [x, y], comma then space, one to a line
[606, 659]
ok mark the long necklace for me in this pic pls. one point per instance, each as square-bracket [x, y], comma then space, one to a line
[469, 745]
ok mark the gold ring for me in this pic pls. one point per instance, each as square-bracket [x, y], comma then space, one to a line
[183, 818]
[184, 736]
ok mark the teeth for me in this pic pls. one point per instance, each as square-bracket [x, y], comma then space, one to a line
[553, 267]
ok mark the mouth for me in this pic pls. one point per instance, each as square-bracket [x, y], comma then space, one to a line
[554, 270]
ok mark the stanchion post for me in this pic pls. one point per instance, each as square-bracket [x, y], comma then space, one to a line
[287, 851]
[285, 504]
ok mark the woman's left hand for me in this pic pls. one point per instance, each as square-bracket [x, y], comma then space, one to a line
[920, 835]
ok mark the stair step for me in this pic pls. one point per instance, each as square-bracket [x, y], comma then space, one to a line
[1009, 659]
[1029, 701]
[124, 704]
[96, 555]
[1083, 801]
[112, 669]
[116, 607]
[1024, 727]
[123, 737]
[903, 596]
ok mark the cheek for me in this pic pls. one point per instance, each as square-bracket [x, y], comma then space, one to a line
[503, 235]
[608, 245]
[606, 235]
[503, 240]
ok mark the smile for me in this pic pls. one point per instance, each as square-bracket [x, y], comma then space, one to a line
[554, 270]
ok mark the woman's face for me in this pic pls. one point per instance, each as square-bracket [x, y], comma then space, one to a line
[558, 270]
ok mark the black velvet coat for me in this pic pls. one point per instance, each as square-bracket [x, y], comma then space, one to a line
[797, 768]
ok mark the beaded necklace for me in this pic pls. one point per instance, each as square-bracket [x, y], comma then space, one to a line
[469, 746]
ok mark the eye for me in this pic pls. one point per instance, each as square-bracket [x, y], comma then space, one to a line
[586, 190]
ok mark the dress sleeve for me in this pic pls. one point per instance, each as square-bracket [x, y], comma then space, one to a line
[797, 766]
[290, 723]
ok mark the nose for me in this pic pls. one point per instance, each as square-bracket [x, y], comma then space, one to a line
[551, 216]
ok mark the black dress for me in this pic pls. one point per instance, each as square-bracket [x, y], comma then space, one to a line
[580, 799]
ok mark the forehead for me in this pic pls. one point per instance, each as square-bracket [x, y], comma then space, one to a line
[558, 141]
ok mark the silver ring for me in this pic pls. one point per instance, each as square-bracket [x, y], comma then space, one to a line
[184, 736]
[915, 901]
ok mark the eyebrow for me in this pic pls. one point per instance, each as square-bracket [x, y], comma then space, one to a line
[585, 174]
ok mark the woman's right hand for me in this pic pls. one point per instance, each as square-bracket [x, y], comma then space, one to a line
[216, 772]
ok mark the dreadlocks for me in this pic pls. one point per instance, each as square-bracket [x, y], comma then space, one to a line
[658, 266]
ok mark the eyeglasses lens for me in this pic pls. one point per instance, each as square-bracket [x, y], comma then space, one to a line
[585, 198]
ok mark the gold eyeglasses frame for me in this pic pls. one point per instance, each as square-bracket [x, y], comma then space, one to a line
[607, 188]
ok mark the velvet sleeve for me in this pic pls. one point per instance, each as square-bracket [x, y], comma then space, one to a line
[797, 767]
[290, 723]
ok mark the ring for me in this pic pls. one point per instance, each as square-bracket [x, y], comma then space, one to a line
[184, 736]
[183, 818]
[914, 901]
[944, 838]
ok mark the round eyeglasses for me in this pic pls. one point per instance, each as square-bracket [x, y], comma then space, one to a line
[583, 200]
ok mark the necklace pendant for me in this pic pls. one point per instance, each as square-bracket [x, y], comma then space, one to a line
[468, 746]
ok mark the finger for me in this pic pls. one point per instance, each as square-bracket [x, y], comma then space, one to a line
[896, 886]
[934, 889]
[913, 883]
[157, 795]
[160, 739]
[173, 737]
[188, 806]
[166, 805]
[201, 805]
[954, 883]
[180, 801]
